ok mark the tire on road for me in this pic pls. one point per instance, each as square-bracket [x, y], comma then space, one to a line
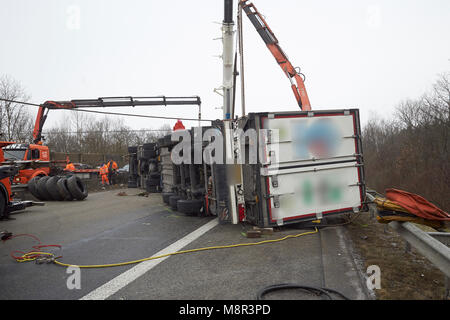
[63, 190]
[166, 196]
[190, 207]
[2, 205]
[33, 189]
[173, 201]
[77, 188]
[42, 188]
[52, 188]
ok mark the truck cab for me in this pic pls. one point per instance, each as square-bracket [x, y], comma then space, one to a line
[7, 171]
[23, 152]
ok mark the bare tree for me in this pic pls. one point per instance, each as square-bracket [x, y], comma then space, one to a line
[16, 123]
[412, 150]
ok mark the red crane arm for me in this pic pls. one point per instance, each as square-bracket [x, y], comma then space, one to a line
[298, 87]
[106, 102]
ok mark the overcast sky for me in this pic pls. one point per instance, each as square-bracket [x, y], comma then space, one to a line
[355, 54]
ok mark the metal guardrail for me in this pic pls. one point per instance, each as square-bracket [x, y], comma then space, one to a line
[435, 246]
[431, 248]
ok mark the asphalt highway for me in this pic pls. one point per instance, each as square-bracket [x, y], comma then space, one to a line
[108, 228]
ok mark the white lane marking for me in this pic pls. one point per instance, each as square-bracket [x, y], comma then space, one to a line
[122, 280]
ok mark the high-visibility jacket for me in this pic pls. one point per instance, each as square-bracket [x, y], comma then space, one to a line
[112, 165]
[70, 167]
[104, 169]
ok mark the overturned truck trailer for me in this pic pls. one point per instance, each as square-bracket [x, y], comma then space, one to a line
[310, 165]
[285, 167]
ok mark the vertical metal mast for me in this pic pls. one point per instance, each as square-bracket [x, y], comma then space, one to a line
[229, 197]
[228, 57]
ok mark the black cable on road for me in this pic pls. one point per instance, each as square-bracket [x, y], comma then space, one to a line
[314, 290]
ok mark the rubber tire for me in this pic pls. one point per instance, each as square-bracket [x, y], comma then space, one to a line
[132, 149]
[42, 188]
[173, 201]
[155, 175]
[77, 188]
[166, 196]
[145, 154]
[32, 187]
[52, 188]
[63, 190]
[153, 167]
[2, 205]
[151, 189]
[165, 141]
[154, 181]
[190, 207]
[132, 184]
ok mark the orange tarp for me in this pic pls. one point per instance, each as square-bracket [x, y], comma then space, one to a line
[417, 205]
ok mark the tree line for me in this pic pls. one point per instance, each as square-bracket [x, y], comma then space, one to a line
[81, 133]
[410, 151]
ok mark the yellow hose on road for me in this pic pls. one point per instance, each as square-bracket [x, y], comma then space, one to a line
[172, 253]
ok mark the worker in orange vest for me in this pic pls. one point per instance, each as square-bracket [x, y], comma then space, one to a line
[104, 173]
[112, 169]
[69, 167]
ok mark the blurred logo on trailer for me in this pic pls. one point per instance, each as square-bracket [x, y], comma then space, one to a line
[317, 138]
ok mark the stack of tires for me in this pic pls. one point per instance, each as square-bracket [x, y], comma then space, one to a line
[133, 167]
[57, 188]
[149, 168]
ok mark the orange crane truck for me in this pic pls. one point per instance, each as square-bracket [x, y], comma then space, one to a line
[37, 151]
[7, 172]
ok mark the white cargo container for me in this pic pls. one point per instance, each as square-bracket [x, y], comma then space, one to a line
[310, 166]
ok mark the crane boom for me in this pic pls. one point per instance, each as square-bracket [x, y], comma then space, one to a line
[106, 102]
[298, 87]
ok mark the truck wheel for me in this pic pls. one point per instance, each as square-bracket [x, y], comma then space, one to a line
[42, 188]
[149, 146]
[132, 184]
[173, 201]
[32, 187]
[52, 188]
[153, 181]
[77, 188]
[63, 190]
[190, 207]
[166, 196]
[165, 141]
[155, 175]
[151, 189]
[132, 149]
